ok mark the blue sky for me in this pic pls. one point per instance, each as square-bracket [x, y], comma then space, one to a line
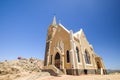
[24, 23]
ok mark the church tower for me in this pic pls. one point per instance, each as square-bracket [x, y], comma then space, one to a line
[50, 34]
[52, 29]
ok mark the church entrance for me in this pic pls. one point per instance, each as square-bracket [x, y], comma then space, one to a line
[57, 60]
[98, 65]
[98, 62]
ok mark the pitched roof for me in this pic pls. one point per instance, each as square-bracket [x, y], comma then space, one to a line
[63, 27]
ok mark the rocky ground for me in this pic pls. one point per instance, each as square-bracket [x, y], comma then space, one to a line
[10, 70]
[30, 69]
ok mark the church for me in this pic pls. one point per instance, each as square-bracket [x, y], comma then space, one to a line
[70, 53]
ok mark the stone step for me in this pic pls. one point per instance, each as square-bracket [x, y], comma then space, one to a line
[50, 71]
[53, 70]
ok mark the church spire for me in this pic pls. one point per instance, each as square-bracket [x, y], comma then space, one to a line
[54, 21]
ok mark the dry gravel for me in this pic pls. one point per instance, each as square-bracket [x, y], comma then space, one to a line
[83, 77]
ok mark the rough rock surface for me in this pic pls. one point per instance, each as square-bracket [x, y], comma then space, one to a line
[10, 70]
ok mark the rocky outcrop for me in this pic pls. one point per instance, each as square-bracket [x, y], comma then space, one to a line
[16, 68]
[21, 65]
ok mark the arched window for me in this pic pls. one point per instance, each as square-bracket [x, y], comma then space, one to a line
[68, 56]
[87, 57]
[77, 52]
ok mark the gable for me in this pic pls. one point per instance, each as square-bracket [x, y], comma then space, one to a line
[61, 35]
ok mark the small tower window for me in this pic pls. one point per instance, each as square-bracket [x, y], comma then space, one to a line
[51, 59]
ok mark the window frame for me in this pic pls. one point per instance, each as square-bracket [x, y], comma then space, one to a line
[87, 57]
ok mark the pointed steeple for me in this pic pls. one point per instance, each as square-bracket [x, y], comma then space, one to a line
[54, 21]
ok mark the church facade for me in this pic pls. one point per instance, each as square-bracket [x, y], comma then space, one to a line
[70, 53]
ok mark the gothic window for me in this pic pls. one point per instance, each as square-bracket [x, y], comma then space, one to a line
[87, 57]
[77, 52]
[68, 56]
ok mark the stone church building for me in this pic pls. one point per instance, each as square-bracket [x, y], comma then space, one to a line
[70, 53]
